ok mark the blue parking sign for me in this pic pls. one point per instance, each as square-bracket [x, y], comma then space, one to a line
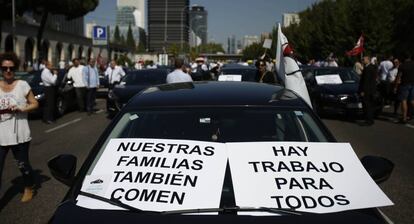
[99, 32]
[99, 35]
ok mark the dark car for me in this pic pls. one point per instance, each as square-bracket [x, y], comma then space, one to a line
[335, 89]
[66, 96]
[212, 112]
[132, 83]
[231, 72]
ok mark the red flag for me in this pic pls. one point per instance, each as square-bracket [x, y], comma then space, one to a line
[358, 49]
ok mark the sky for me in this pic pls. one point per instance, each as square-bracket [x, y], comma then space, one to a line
[225, 17]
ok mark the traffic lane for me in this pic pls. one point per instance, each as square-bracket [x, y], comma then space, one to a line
[394, 142]
[76, 138]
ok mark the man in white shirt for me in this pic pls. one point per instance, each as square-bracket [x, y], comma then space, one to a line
[114, 73]
[49, 80]
[178, 75]
[76, 74]
[385, 86]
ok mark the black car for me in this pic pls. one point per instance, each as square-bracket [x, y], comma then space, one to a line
[66, 96]
[132, 83]
[247, 73]
[212, 112]
[335, 89]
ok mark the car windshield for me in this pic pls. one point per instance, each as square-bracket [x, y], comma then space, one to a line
[248, 75]
[347, 75]
[146, 77]
[220, 125]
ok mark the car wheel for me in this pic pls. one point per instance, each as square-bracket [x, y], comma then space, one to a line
[61, 106]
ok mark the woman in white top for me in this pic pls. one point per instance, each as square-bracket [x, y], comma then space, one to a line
[16, 100]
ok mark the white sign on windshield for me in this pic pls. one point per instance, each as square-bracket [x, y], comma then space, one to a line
[328, 79]
[157, 175]
[230, 78]
[310, 177]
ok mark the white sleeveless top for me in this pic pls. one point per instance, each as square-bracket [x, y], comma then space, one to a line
[14, 128]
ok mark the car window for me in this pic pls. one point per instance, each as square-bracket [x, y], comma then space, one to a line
[347, 75]
[222, 125]
[153, 77]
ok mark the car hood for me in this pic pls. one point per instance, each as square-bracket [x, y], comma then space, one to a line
[346, 88]
[68, 212]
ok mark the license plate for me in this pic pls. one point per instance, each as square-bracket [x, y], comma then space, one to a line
[354, 105]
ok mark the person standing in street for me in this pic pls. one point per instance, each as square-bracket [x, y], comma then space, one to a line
[367, 88]
[49, 80]
[263, 75]
[384, 73]
[178, 75]
[16, 100]
[114, 74]
[406, 88]
[76, 74]
[91, 79]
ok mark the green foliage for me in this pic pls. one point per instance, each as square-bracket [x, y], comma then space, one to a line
[253, 51]
[335, 26]
[210, 48]
[130, 41]
[117, 35]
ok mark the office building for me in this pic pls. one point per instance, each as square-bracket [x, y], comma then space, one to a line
[139, 12]
[198, 22]
[249, 40]
[168, 24]
[231, 45]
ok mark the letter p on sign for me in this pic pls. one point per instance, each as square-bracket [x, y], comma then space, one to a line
[99, 32]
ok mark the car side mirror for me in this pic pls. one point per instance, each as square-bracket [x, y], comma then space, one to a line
[378, 168]
[63, 168]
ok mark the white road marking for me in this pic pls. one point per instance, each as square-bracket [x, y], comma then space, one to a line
[63, 125]
[410, 126]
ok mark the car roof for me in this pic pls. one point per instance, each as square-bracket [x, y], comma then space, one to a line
[216, 94]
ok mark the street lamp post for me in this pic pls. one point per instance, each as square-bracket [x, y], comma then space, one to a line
[182, 26]
[13, 24]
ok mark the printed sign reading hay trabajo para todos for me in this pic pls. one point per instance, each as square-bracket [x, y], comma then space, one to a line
[312, 177]
[158, 175]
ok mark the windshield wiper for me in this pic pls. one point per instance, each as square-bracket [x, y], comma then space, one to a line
[281, 211]
[115, 202]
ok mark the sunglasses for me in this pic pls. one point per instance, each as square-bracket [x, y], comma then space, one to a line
[7, 68]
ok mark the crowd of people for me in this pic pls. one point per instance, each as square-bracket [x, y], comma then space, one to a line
[390, 78]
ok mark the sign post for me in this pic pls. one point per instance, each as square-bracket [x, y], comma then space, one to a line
[99, 36]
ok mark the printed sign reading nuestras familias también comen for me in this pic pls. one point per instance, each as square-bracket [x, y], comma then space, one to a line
[157, 175]
[310, 177]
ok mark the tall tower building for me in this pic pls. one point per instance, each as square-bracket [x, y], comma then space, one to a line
[198, 22]
[138, 12]
[168, 24]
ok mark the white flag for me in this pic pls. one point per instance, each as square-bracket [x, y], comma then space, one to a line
[288, 69]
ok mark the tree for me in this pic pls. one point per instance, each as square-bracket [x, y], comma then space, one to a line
[117, 35]
[253, 51]
[130, 41]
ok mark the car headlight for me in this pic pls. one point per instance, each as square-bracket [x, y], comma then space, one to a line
[40, 96]
[343, 97]
[328, 96]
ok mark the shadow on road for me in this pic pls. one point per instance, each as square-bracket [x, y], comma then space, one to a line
[17, 187]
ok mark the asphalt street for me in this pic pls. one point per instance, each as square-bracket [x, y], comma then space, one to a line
[76, 133]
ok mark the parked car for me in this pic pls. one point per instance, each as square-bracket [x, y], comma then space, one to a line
[210, 112]
[230, 72]
[132, 83]
[66, 96]
[335, 89]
